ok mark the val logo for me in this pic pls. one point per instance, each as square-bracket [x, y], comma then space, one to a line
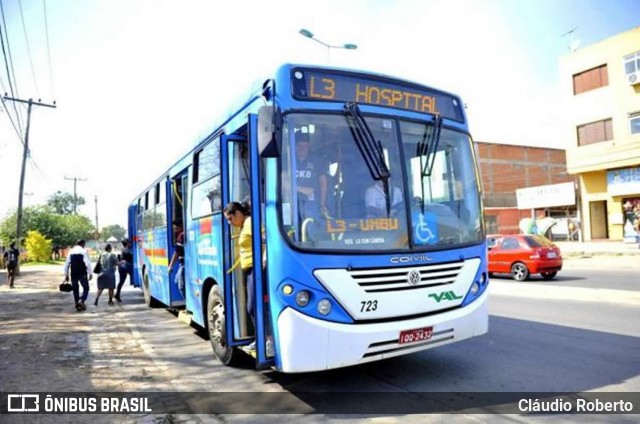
[446, 295]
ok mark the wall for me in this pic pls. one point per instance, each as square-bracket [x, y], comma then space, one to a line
[505, 168]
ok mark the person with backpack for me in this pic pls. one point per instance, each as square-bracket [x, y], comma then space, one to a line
[78, 266]
[11, 258]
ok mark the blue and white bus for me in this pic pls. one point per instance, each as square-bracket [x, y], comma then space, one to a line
[365, 192]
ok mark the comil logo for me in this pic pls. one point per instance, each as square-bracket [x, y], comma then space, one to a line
[409, 259]
[23, 403]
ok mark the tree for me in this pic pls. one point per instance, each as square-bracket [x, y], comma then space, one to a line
[63, 203]
[38, 247]
[63, 230]
[113, 231]
[77, 227]
[39, 218]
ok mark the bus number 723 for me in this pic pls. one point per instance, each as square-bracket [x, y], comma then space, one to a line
[369, 305]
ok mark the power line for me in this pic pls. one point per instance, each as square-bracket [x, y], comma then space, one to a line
[26, 39]
[4, 52]
[11, 119]
[4, 89]
[9, 62]
[46, 32]
[35, 165]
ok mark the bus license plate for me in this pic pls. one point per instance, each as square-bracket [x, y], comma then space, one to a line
[415, 335]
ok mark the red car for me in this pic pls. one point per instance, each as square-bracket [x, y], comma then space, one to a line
[522, 255]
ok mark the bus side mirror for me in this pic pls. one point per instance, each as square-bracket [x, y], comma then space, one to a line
[267, 143]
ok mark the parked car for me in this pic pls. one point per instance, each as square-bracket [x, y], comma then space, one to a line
[522, 255]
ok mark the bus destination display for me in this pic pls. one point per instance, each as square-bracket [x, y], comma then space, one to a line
[317, 85]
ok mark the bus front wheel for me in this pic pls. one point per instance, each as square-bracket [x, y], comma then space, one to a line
[217, 330]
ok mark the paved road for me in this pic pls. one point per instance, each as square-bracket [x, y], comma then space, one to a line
[564, 335]
[544, 336]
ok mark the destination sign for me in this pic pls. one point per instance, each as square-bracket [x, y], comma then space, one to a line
[334, 86]
[369, 224]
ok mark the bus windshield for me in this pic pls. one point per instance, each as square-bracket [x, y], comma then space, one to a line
[333, 196]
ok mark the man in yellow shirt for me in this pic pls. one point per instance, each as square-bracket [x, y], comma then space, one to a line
[238, 215]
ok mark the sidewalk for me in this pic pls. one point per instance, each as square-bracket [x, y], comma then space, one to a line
[46, 346]
[598, 248]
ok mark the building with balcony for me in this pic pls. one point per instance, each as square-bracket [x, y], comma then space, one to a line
[601, 97]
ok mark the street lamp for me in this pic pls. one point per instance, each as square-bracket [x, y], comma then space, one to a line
[309, 34]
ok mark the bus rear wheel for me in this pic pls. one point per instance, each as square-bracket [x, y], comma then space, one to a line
[149, 300]
[217, 330]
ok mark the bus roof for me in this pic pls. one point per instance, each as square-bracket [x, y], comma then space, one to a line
[345, 77]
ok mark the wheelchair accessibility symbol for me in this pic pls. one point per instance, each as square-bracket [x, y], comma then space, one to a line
[422, 232]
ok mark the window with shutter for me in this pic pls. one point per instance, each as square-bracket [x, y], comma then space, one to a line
[595, 132]
[591, 79]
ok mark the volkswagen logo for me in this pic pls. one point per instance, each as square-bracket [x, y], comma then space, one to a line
[414, 277]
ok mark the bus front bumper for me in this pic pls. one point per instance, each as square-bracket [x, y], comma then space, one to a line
[309, 344]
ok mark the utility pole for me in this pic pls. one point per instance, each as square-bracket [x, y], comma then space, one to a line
[97, 228]
[75, 191]
[25, 153]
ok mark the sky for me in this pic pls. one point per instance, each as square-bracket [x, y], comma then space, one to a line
[137, 82]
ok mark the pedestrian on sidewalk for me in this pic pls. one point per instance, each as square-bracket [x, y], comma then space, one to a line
[107, 277]
[78, 266]
[125, 267]
[11, 258]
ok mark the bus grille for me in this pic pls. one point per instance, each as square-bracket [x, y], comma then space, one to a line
[397, 279]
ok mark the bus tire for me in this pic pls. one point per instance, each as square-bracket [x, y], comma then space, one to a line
[217, 330]
[149, 300]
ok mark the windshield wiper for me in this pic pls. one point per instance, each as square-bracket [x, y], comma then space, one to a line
[428, 146]
[426, 150]
[370, 148]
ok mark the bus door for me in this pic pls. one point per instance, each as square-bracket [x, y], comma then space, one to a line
[132, 230]
[177, 201]
[264, 334]
[242, 182]
[236, 187]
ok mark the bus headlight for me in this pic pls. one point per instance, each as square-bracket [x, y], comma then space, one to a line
[302, 298]
[324, 307]
[475, 287]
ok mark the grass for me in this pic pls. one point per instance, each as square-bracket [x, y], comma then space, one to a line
[34, 263]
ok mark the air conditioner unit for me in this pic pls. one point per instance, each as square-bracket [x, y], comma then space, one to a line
[633, 78]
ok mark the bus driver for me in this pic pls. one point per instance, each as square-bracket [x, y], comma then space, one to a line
[375, 200]
[311, 180]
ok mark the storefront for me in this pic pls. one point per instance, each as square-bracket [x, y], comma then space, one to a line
[557, 201]
[623, 185]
